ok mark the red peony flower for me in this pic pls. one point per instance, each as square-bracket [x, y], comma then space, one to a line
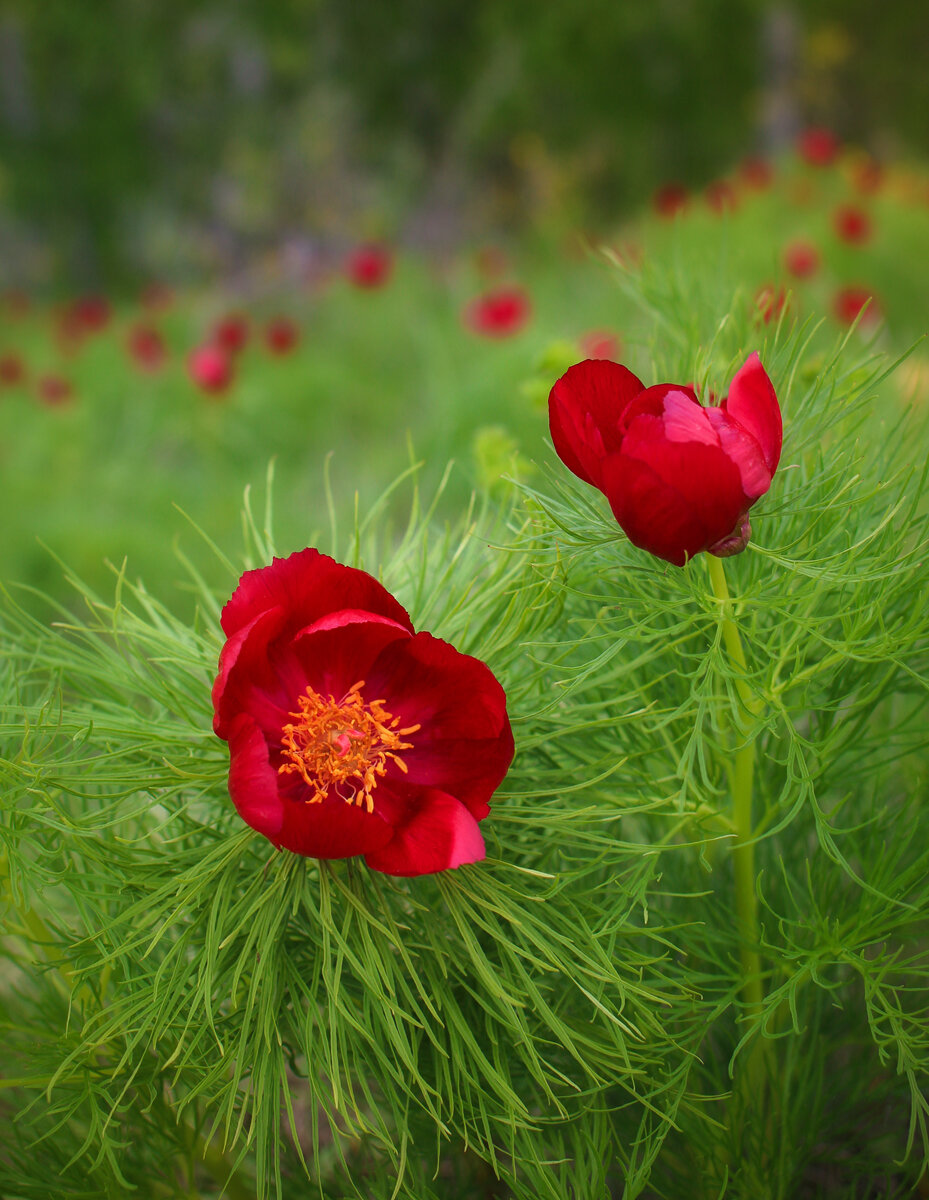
[210, 367]
[281, 335]
[12, 369]
[721, 197]
[669, 200]
[54, 390]
[817, 146]
[849, 301]
[801, 259]
[756, 173]
[499, 313]
[231, 332]
[147, 347]
[348, 732]
[852, 224]
[770, 302]
[600, 343]
[92, 313]
[680, 478]
[369, 266]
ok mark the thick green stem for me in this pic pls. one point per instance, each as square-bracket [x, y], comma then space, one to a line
[743, 847]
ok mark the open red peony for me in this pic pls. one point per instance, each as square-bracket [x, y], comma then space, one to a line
[348, 732]
[680, 477]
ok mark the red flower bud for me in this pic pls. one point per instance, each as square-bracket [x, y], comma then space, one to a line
[281, 335]
[679, 477]
[669, 200]
[147, 347]
[499, 313]
[849, 301]
[231, 332]
[801, 259]
[369, 266]
[818, 146]
[55, 390]
[210, 368]
[852, 225]
[349, 733]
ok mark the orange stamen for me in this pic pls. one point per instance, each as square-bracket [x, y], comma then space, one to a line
[345, 743]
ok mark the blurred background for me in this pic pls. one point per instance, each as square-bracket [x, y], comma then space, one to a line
[140, 135]
[298, 231]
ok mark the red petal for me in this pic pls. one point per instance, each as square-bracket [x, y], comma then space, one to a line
[465, 744]
[245, 658]
[438, 833]
[252, 779]
[753, 403]
[584, 409]
[331, 829]
[308, 585]
[335, 659]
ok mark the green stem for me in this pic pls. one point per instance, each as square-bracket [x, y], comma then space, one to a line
[743, 847]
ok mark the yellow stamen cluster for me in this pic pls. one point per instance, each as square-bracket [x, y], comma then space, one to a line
[343, 745]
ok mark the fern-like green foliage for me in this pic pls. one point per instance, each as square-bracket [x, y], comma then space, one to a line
[188, 1012]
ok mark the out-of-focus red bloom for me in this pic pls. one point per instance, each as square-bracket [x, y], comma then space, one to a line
[848, 302]
[369, 266]
[852, 224]
[600, 343]
[818, 146]
[721, 197]
[92, 313]
[12, 369]
[210, 367]
[281, 335]
[349, 733]
[756, 173]
[54, 390]
[147, 347]
[680, 478]
[801, 259]
[231, 332]
[499, 313]
[770, 302]
[669, 200]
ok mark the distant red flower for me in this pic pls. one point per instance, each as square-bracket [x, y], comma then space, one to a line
[12, 369]
[349, 733]
[669, 200]
[848, 303]
[852, 224]
[721, 196]
[801, 259]
[147, 347]
[281, 335]
[600, 343]
[499, 313]
[680, 478]
[210, 367]
[91, 314]
[756, 173]
[818, 146]
[54, 390]
[770, 302]
[231, 332]
[369, 266]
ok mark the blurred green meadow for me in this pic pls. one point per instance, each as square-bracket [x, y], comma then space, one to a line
[136, 457]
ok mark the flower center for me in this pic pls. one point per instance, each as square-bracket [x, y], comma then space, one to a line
[343, 744]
